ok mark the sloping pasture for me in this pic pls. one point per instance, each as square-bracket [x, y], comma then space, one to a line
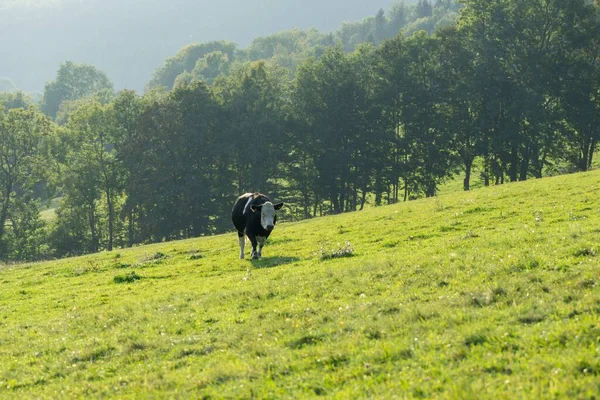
[491, 293]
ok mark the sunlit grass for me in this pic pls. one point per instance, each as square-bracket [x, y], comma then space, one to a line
[48, 210]
[486, 294]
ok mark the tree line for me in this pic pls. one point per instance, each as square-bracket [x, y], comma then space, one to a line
[514, 86]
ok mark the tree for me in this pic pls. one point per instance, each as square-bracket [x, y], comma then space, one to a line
[73, 81]
[527, 65]
[381, 30]
[255, 98]
[414, 96]
[579, 90]
[128, 109]
[489, 34]
[176, 161]
[92, 167]
[186, 59]
[461, 98]
[209, 67]
[11, 100]
[398, 16]
[23, 135]
[423, 9]
[332, 99]
[204, 161]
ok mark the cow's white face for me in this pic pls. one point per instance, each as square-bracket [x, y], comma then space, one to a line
[267, 214]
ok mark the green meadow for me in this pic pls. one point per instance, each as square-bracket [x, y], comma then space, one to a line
[488, 294]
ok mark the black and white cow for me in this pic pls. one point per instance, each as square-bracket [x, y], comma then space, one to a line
[254, 215]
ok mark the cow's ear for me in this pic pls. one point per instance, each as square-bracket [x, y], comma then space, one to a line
[255, 208]
[278, 206]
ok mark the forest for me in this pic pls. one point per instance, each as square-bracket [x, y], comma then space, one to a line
[380, 111]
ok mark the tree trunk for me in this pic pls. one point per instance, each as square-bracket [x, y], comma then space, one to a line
[111, 218]
[335, 203]
[130, 230]
[467, 180]
[306, 205]
[378, 189]
[487, 171]
[405, 178]
[583, 156]
[514, 163]
[4, 213]
[92, 221]
[363, 199]
[525, 165]
[537, 162]
[591, 154]
[342, 198]
[430, 189]
[354, 199]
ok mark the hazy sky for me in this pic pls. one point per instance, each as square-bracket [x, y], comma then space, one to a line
[129, 39]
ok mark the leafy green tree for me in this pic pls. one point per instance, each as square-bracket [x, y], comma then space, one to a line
[27, 236]
[183, 132]
[204, 163]
[23, 138]
[332, 99]
[579, 88]
[73, 81]
[187, 58]
[488, 34]
[93, 170]
[70, 231]
[293, 41]
[525, 54]
[398, 16]
[211, 66]
[381, 31]
[128, 108]
[423, 9]
[414, 97]
[11, 100]
[460, 100]
[290, 48]
[69, 107]
[255, 98]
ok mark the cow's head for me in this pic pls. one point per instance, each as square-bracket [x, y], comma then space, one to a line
[267, 214]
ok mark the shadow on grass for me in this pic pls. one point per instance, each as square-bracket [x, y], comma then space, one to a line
[271, 262]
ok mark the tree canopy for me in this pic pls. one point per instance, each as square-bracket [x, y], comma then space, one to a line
[73, 81]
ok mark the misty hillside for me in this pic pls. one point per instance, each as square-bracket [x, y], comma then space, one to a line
[129, 39]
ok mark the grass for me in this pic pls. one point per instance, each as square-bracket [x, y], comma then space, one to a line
[48, 211]
[485, 294]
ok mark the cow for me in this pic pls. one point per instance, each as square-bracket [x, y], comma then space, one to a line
[254, 215]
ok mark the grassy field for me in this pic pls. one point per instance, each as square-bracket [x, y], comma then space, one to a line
[48, 211]
[487, 294]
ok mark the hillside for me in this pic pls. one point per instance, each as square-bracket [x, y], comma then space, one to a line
[483, 294]
[130, 39]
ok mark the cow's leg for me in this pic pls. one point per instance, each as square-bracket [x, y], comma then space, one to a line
[261, 243]
[252, 238]
[242, 240]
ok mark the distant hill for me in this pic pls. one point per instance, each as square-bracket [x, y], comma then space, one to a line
[129, 39]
